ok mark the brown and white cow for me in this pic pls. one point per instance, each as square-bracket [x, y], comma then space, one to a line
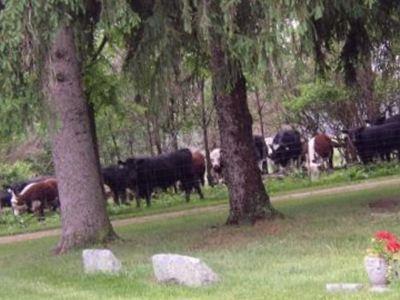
[320, 154]
[35, 197]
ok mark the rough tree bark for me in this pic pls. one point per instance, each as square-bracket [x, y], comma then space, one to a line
[83, 208]
[248, 198]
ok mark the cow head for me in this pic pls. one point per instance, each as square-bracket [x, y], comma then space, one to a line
[130, 166]
[378, 121]
[351, 140]
[278, 153]
[353, 134]
[18, 206]
[215, 157]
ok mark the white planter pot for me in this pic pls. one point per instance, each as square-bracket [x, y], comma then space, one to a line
[377, 269]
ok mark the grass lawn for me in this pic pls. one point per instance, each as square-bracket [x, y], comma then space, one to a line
[321, 240]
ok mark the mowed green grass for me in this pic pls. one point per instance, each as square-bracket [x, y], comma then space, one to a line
[321, 240]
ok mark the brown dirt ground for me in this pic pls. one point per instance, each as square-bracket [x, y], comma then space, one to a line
[386, 205]
[224, 237]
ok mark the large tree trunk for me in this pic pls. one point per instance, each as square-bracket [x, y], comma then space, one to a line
[83, 208]
[248, 198]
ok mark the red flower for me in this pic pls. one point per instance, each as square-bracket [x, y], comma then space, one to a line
[385, 236]
[393, 246]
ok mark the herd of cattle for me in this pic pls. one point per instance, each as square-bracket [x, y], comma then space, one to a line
[380, 140]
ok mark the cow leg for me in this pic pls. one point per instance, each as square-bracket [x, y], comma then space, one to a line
[138, 196]
[330, 161]
[115, 196]
[41, 212]
[55, 204]
[147, 195]
[187, 195]
[130, 196]
[198, 189]
[265, 166]
[123, 197]
[187, 186]
[148, 200]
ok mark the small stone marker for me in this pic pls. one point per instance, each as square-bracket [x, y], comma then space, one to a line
[100, 260]
[379, 289]
[180, 269]
[343, 287]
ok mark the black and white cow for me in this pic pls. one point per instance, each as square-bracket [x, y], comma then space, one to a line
[375, 142]
[286, 146]
[162, 171]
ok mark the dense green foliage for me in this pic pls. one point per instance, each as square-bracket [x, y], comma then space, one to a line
[157, 50]
[292, 258]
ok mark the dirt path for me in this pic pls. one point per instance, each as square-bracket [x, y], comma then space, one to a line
[215, 208]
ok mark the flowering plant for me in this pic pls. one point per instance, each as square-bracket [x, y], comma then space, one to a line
[386, 245]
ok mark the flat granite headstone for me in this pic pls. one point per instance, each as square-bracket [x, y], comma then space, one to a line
[379, 289]
[180, 269]
[100, 260]
[343, 287]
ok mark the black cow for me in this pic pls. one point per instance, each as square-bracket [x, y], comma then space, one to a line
[116, 178]
[375, 141]
[286, 146]
[5, 199]
[383, 120]
[162, 171]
